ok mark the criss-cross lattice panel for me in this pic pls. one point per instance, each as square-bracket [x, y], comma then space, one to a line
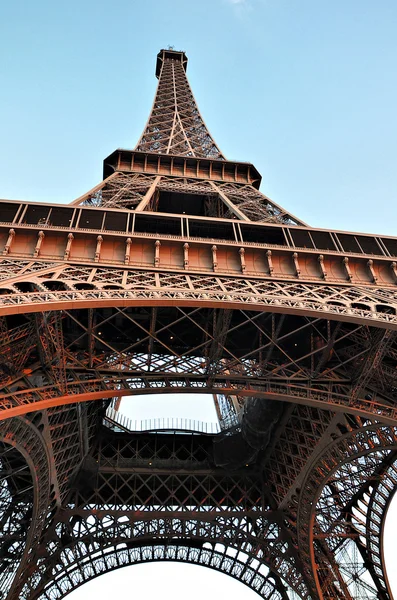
[175, 125]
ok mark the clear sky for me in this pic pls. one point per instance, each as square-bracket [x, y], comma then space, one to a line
[306, 90]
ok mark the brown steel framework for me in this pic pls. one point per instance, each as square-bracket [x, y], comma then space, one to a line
[176, 274]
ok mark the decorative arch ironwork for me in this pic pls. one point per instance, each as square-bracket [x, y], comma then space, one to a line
[343, 522]
[257, 577]
[24, 498]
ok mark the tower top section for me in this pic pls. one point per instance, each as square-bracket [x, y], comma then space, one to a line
[170, 54]
[175, 125]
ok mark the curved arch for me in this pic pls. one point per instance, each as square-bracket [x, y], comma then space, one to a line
[24, 438]
[23, 402]
[83, 536]
[380, 500]
[304, 300]
[372, 442]
[253, 573]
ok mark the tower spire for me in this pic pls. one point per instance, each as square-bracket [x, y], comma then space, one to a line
[175, 125]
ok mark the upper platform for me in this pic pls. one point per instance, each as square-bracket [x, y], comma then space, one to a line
[169, 54]
[128, 161]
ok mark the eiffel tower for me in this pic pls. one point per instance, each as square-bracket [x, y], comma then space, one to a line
[176, 274]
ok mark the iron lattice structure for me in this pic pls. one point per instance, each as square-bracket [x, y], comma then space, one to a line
[176, 274]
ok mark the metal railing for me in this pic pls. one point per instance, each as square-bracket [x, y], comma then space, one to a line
[115, 417]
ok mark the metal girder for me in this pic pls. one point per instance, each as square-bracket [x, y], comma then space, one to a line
[50, 345]
[373, 360]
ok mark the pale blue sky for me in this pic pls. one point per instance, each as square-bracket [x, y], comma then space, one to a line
[306, 90]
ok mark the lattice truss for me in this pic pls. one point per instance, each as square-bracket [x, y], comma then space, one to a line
[221, 200]
[175, 125]
[38, 457]
[355, 479]
[321, 369]
[213, 518]
[33, 284]
[160, 497]
[141, 345]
